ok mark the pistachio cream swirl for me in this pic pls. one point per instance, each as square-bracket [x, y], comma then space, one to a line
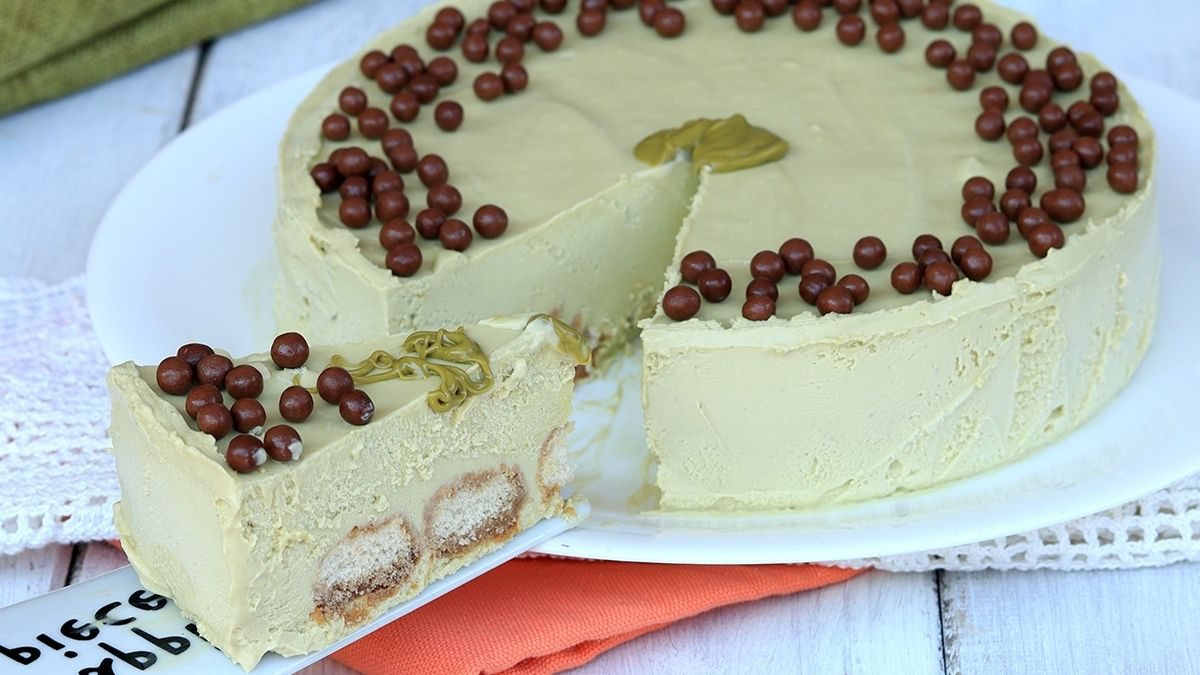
[570, 341]
[723, 146]
[429, 354]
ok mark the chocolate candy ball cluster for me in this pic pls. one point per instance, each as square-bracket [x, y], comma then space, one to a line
[205, 377]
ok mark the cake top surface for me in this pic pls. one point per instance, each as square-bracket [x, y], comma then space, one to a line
[301, 399]
[879, 142]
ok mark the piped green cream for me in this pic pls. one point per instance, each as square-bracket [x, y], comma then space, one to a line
[722, 146]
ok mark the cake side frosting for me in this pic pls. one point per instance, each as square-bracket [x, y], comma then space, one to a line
[295, 554]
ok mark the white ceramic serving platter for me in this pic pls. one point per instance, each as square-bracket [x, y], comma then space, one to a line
[184, 253]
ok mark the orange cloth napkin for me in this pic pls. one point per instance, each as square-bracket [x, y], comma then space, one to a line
[545, 615]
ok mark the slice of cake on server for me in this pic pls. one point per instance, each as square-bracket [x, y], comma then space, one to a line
[283, 499]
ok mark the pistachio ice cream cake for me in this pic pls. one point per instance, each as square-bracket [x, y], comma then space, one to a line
[283, 499]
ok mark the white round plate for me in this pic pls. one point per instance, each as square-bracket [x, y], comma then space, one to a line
[184, 253]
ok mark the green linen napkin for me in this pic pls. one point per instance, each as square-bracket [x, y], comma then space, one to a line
[52, 47]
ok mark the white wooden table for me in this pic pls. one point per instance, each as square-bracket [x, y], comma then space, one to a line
[61, 163]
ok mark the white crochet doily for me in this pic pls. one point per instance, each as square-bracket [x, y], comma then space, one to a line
[58, 483]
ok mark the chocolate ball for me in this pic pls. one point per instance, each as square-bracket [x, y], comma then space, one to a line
[394, 232]
[961, 246]
[884, 11]
[930, 257]
[192, 352]
[767, 265]
[1021, 178]
[521, 26]
[333, 383]
[846, 6]
[432, 170]
[500, 13]
[552, 6]
[509, 50]
[940, 277]
[387, 181]
[835, 300]
[326, 176]
[1070, 178]
[990, 124]
[355, 186]
[850, 29]
[819, 267]
[515, 77]
[758, 308]
[371, 62]
[936, 15]
[448, 115]
[391, 77]
[1122, 153]
[987, 33]
[454, 235]
[174, 376]
[859, 289]
[764, 287]
[213, 368]
[1106, 103]
[547, 36]
[289, 350]
[681, 303]
[811, 286]
[940, 54]
[906, 277]
[590, 22]
[981, 56]
[1062, 159]
[1045, 237]
[405, 106]
[1063, 205]
[475, 48]
[1034, 96]
[1024, 36]
[445, 198]
[245, 454]
[295, 404]
[807, 15]
[443, 71]
[335, 127]
[490, 221]
[1012, 68]
[993, 97]
[1022, 127]
[795, 253]
[489, 86]
[282, 443]
[1028, 151]
[976, 264]
[404, 260]
[993, 228]
[669, 22]
[648, 8]
[352, 162]
[967, 16]
[1030, 218]
[1122, 133]
[403, 158]
[974, 208]
[869, 252]
[1068, 77]
[244, 381]
[391, 205]
[429, 222]
[960, 74]
[214, 419]
[441, 36]
[890, 37]
[694, 263]
[923, 243]
[1123, 178]
[978, 186]
[248, 414]
[714, 284]
[1012, 201]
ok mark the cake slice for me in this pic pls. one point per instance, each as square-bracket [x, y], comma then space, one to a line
[283, 499]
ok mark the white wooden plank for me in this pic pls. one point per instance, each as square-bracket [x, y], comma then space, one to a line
[33, 573]
[244, 62]
[1126, 621]
[875, 623]
[97, 558]
[65, 160]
